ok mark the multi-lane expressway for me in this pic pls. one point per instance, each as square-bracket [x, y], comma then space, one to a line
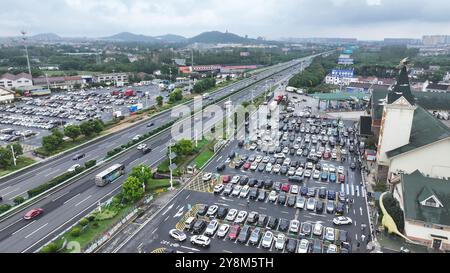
[68, 205]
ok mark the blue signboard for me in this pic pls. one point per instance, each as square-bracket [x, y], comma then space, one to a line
[133, 108]
[342, 73]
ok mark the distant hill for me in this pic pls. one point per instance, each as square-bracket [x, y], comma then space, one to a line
[130, 37]
[215, 37]
[171, 38]
[46, 37]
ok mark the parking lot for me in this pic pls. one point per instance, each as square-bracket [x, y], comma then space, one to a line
[32, 118]
[280, 190]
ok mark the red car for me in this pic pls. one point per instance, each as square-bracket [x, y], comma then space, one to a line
[247, 165]
[226, 179]
[33, 213]
[285, 187]
[341, 178]
[234, 232]
[326, 155]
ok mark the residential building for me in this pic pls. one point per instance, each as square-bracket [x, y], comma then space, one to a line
[436, 87]
[112, 78]
[66, 83]
[6, 95]
[341, 77]
[15, 81]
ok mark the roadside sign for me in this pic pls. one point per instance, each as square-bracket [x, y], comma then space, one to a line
[189, 206]
[172, 155]
[172, 166]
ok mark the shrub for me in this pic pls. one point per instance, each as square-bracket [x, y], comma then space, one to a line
[4, 207]
[84, 222]
[90, 163]
[95, 224]
[19, 200]
[50, 248]
[75, 232]
[90, 218]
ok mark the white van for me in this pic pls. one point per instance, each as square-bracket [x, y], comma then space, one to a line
[189, 223]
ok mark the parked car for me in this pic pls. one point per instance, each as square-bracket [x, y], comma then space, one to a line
[303, 247]
[177, 235]
[342, 220]
[255, 236]
[291, 245]
[267, 239]
[223, 230]
[294, 226]
[234, 232]
[211, 228]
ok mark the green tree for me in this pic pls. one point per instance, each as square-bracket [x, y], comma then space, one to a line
[50, 143]
[72, 131]
[183, 147]
[393, 208]
[159, 100]
[57, 133]
[18, 150]
[6, 159]
[175, 96]
[50, 248]
[132, 189]
[75, 232]
[142, 172]
[84, 222]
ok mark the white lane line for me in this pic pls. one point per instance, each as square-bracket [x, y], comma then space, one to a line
[76, 205]
[347, 190]
[353, 190]
[59, 197]
[17, 195]
[167, 210]
[50, 173]
[154, 230]
[187, 196]
[5, 188]
[363, 192]
[165, 220]
[71, 199]
[35, 231]
[23, 227]
[10, 225]
[285, 212]
[5, 194]
[342, 188]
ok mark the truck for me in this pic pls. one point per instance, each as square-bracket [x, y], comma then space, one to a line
[290, 89]
[129, 93]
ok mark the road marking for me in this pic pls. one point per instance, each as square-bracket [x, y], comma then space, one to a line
[5, 188]
[263, 208]
[154, 230]
[222, 204]
[187, 197]
[360, 211]
[76, 205]
[71, 199]
[179, 213]
[23, 227]
[356, 236]
[167, 210]
[342, 188]
[347, 189]
[353, 190]
[10, 225]
[190, 248]
[17, 195]
[363, 192]
[5, 194]
[165, 220]
[285, 212]
[50, 173]
[35, 231]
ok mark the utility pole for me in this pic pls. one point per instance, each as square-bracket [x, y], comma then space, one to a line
[170, 164]
[24, 38]
[196, 137]
[192, 70]
[13, 155]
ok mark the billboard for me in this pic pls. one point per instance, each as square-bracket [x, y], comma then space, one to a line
[342, 73]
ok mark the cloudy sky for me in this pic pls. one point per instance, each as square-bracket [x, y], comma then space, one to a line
[362, 19]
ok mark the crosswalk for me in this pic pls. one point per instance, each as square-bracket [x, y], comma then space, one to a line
[353, 190]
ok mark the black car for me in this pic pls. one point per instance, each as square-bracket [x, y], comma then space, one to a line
[317, 246]
[279, 161]
[281, 198]
[343, 237]
[291, 246]
[244, 180]
[150, 124]
[295, 179]
[262, 196]
[303, 191]
[273, 160]
[306, 228]
[202, 210]
[221, 167]
[199, 226]
[318, 166]
[222, 213]
[78, 156]
[261, 167]
[260, 184]
[284, 225]
[291, 201]
[146, 150]
[319, 207]
[284, 170]
[241, 143]
[305, 153]
[340, 208]
[262, 220]
[331, 195]
[273, 222]
[252, 182]
[353, 166]
[268, 184]
[244, 234]
[322, 193]
[330, 207]
[239, 164]
[253, 194]
[292, 151]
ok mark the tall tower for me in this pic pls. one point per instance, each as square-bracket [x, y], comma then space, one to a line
[24, 38]
[396, 122]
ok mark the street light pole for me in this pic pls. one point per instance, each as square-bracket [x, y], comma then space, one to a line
[170, 164]
[13, 155]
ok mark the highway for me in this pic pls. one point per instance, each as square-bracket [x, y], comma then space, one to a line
[18, 185]
[71, 203]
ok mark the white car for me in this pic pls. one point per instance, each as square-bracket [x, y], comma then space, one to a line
[267, 239]
[244, 191]
[232, 213]
[343, 151]
[318, 229]
[218, 188]
[285, 150]
[299, 152]
[329, 234]
[273, 196]
[331, 168]
[287, 161]
[211, 228]
[276, 168]
[311, 204]
[258, 158]
[309, 165]
[141, 146]
[236, 190]
[235, 179]
[242, 215]
[332, 248]
[341, 169]
[207, 176]
[303, 246]
[212, 210]
[333, 155]
[254, 166]
[316, 174]
[291, 171]
[325, 167]
[223, 230]
[280, 241]
[294, 189]
[342, 220]
[300, 202]
[294, 226]
[299, 171]
[136, 137]
[253, 146]
[200, 240]
[177, 235]
[307, 173]
[72, 169]
[280, 155]
[269, 167]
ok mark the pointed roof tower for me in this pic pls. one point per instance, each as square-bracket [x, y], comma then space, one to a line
[401, 88]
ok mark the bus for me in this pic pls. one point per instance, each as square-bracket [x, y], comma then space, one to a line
[109, 175]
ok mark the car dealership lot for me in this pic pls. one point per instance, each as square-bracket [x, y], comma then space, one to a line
[297, 205]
